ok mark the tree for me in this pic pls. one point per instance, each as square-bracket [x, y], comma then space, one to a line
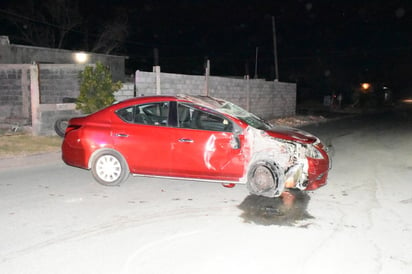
[112, 36]
[96, 89]
[45, 23]
[61, 24]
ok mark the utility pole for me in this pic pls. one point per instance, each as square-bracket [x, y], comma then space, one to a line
[156, 69]
[256, 62]
[275, 51]
[207, 74]
[246, 68]
[156, 57]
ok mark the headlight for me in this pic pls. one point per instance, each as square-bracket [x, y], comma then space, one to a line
[313, 152]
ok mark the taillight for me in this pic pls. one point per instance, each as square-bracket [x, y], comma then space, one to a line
[71, 128]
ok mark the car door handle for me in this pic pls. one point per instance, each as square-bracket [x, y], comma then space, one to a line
[121, 135]
[184, 140]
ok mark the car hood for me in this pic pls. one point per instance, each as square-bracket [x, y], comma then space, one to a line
[291, 134]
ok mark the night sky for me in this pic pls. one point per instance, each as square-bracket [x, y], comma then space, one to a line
[324, 46]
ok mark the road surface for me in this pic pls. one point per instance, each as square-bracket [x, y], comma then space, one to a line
[56, 219]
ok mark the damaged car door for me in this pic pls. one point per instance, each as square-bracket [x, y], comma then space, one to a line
[205, 145]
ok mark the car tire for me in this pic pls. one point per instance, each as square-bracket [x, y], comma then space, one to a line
[109, 168]
[265, 179]
[60, 126]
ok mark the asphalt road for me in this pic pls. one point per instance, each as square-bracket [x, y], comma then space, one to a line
[56, 219]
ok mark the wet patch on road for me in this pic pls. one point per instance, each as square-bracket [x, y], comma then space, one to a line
[286, 210]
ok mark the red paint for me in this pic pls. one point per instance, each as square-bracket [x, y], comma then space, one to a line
[169, 150]
[291, 134]
[318, 171]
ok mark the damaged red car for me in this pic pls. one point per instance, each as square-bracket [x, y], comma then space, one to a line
[196, 138]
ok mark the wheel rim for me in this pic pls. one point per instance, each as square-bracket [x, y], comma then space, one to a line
[262, 179]
[108, 168]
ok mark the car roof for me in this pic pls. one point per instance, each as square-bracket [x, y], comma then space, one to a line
[144, 99]
[205, 101]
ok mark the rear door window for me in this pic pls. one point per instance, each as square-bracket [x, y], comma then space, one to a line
[147, 114]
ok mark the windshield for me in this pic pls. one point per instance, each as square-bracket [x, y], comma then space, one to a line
[247, 117]
[233, 110]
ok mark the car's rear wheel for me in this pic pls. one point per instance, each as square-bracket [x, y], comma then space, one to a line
[109, 168]
[265, 179]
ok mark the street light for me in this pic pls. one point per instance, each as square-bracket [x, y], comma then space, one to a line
[81, 57]
[365, 86]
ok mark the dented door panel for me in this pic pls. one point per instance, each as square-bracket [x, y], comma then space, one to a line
[206, 154]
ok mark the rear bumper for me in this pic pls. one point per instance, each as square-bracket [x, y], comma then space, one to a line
[74, 156]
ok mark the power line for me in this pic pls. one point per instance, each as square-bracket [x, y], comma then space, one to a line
[66, 29]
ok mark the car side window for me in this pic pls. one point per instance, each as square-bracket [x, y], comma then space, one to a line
[196, 118]
[126, 114]
[148, 114]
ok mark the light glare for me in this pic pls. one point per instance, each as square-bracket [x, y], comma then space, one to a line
[81, 57]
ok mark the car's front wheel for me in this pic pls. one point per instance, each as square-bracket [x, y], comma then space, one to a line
[265, 179]
[109, 168]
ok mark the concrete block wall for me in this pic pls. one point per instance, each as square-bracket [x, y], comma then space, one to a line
[145, 83]
[15, 94]
[173, 84]
[284, 95]
[127, 91]
[59, 81]
[267, 99]
[22, 54]
[272, 99]
[231, 89]
[49, 113]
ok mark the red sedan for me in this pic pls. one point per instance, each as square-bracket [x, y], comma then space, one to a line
[196, 138]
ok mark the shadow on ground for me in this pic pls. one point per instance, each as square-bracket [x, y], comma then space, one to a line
[286, 210]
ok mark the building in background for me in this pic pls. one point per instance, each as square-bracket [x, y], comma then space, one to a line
[22, 54]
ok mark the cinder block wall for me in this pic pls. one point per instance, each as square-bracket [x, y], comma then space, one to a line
[15, 94]
[49, 113]
[23, 54]
[267, 99]
[59, 81]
